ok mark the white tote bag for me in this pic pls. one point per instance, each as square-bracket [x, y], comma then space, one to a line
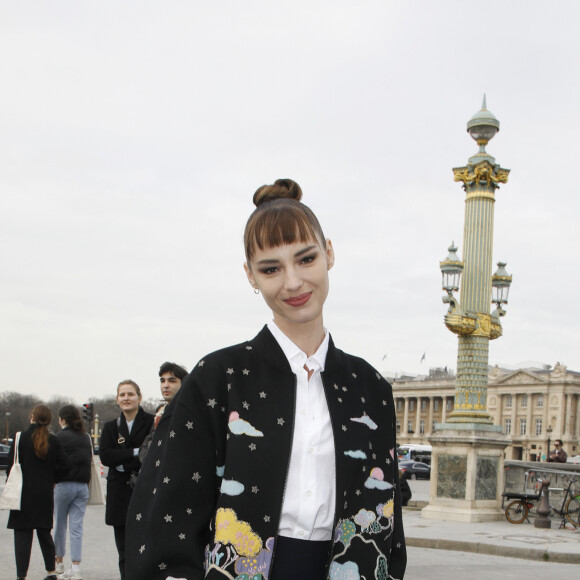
[10, 499]
[95, 489]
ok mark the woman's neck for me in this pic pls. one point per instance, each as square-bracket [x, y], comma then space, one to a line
[307, 336]
[130, 415]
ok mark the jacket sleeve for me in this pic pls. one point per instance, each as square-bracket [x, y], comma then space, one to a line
[110, 454]
[168, 524]
[64, 464]
[398, 560]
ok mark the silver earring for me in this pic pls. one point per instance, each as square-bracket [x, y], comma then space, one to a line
[256, 290]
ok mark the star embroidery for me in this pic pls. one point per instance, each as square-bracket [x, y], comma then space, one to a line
[384, 402]
[370, 445]
[248, 348]
[262, 395]
[229, 386]
[172, 434]
[223, 409]
[344, 389]
[189, 424]
[345, 504]
[196, 476]
[374, 455]
[162, 566]
[358, 491]
[142, 549]
[158, 463]
[364, 468]
[201, 363]
[246, 371]
[398, 544]
[336, 386]
[159, 443]
[211, 403]
[280, 421]
[388, 461]
[354, 375]
[138, 517]
[246, 405]
[344, 427]
[344, 493]
[230, 371]
[188, 511]
[182, 536]
[252, 446]
[255, 489]
[168, 518]
[339, 400]
[266, 518]
[363, 399]
[166, 480]
[154, 490]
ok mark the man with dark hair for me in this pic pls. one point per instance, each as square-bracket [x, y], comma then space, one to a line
[558, 455]
[171, 376]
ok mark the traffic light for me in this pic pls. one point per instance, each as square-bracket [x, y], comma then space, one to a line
[88, 412]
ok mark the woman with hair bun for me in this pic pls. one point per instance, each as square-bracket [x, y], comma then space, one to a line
[43, 462]
[72, 493]
[276, 460]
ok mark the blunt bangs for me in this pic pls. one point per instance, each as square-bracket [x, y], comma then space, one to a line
[277, 226]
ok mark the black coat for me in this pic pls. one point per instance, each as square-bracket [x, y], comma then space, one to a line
[77, 445]
[210, 493]
[38, 479]
[113, 453]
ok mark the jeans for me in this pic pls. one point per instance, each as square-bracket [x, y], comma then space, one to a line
[70, 502]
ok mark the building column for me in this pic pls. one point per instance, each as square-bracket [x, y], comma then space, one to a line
[515, 424]
[443, 409]
[404, 430]
[429, 429]
[568, 415]
[530, 433]
[418, 417]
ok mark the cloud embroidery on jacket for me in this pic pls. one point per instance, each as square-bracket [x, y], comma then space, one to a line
[240, 427]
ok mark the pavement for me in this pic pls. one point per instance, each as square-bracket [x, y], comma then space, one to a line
[437, 549]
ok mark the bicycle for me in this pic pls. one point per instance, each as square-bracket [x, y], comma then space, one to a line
[517, 511]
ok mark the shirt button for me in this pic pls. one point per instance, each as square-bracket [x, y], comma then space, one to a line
[311, 450]
[303, 412]
[300, 533]
[308, 493]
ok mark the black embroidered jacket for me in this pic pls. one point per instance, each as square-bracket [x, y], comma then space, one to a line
[210, 494]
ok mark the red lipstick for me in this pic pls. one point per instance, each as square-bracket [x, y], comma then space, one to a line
[298, 300]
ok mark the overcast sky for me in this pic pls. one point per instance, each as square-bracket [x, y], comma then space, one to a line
[133, 135]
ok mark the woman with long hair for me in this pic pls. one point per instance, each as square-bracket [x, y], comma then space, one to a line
[71, 494]
[119, 451]
[276, 459]
[43, 462]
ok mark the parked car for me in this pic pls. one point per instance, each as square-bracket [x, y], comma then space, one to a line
[415, 470]
[4, 449]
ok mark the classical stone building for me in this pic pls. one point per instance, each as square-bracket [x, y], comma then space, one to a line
[523, 402]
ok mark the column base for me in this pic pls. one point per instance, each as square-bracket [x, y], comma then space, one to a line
[467, 472]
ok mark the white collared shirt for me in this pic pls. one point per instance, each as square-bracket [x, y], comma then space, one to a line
[310, 497]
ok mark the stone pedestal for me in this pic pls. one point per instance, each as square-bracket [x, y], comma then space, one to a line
[467, 472]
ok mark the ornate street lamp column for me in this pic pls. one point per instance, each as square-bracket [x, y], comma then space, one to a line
[471, 318]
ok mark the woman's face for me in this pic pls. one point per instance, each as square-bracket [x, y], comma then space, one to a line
[127, 398]
[293, 280]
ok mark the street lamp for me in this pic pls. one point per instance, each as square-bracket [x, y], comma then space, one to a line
[549, 432]
[500, 288]
[7, 424]
[470, 317]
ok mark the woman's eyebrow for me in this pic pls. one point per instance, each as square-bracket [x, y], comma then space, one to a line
[304, 251]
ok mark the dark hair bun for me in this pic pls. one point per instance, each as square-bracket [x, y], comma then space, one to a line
[282, 189]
